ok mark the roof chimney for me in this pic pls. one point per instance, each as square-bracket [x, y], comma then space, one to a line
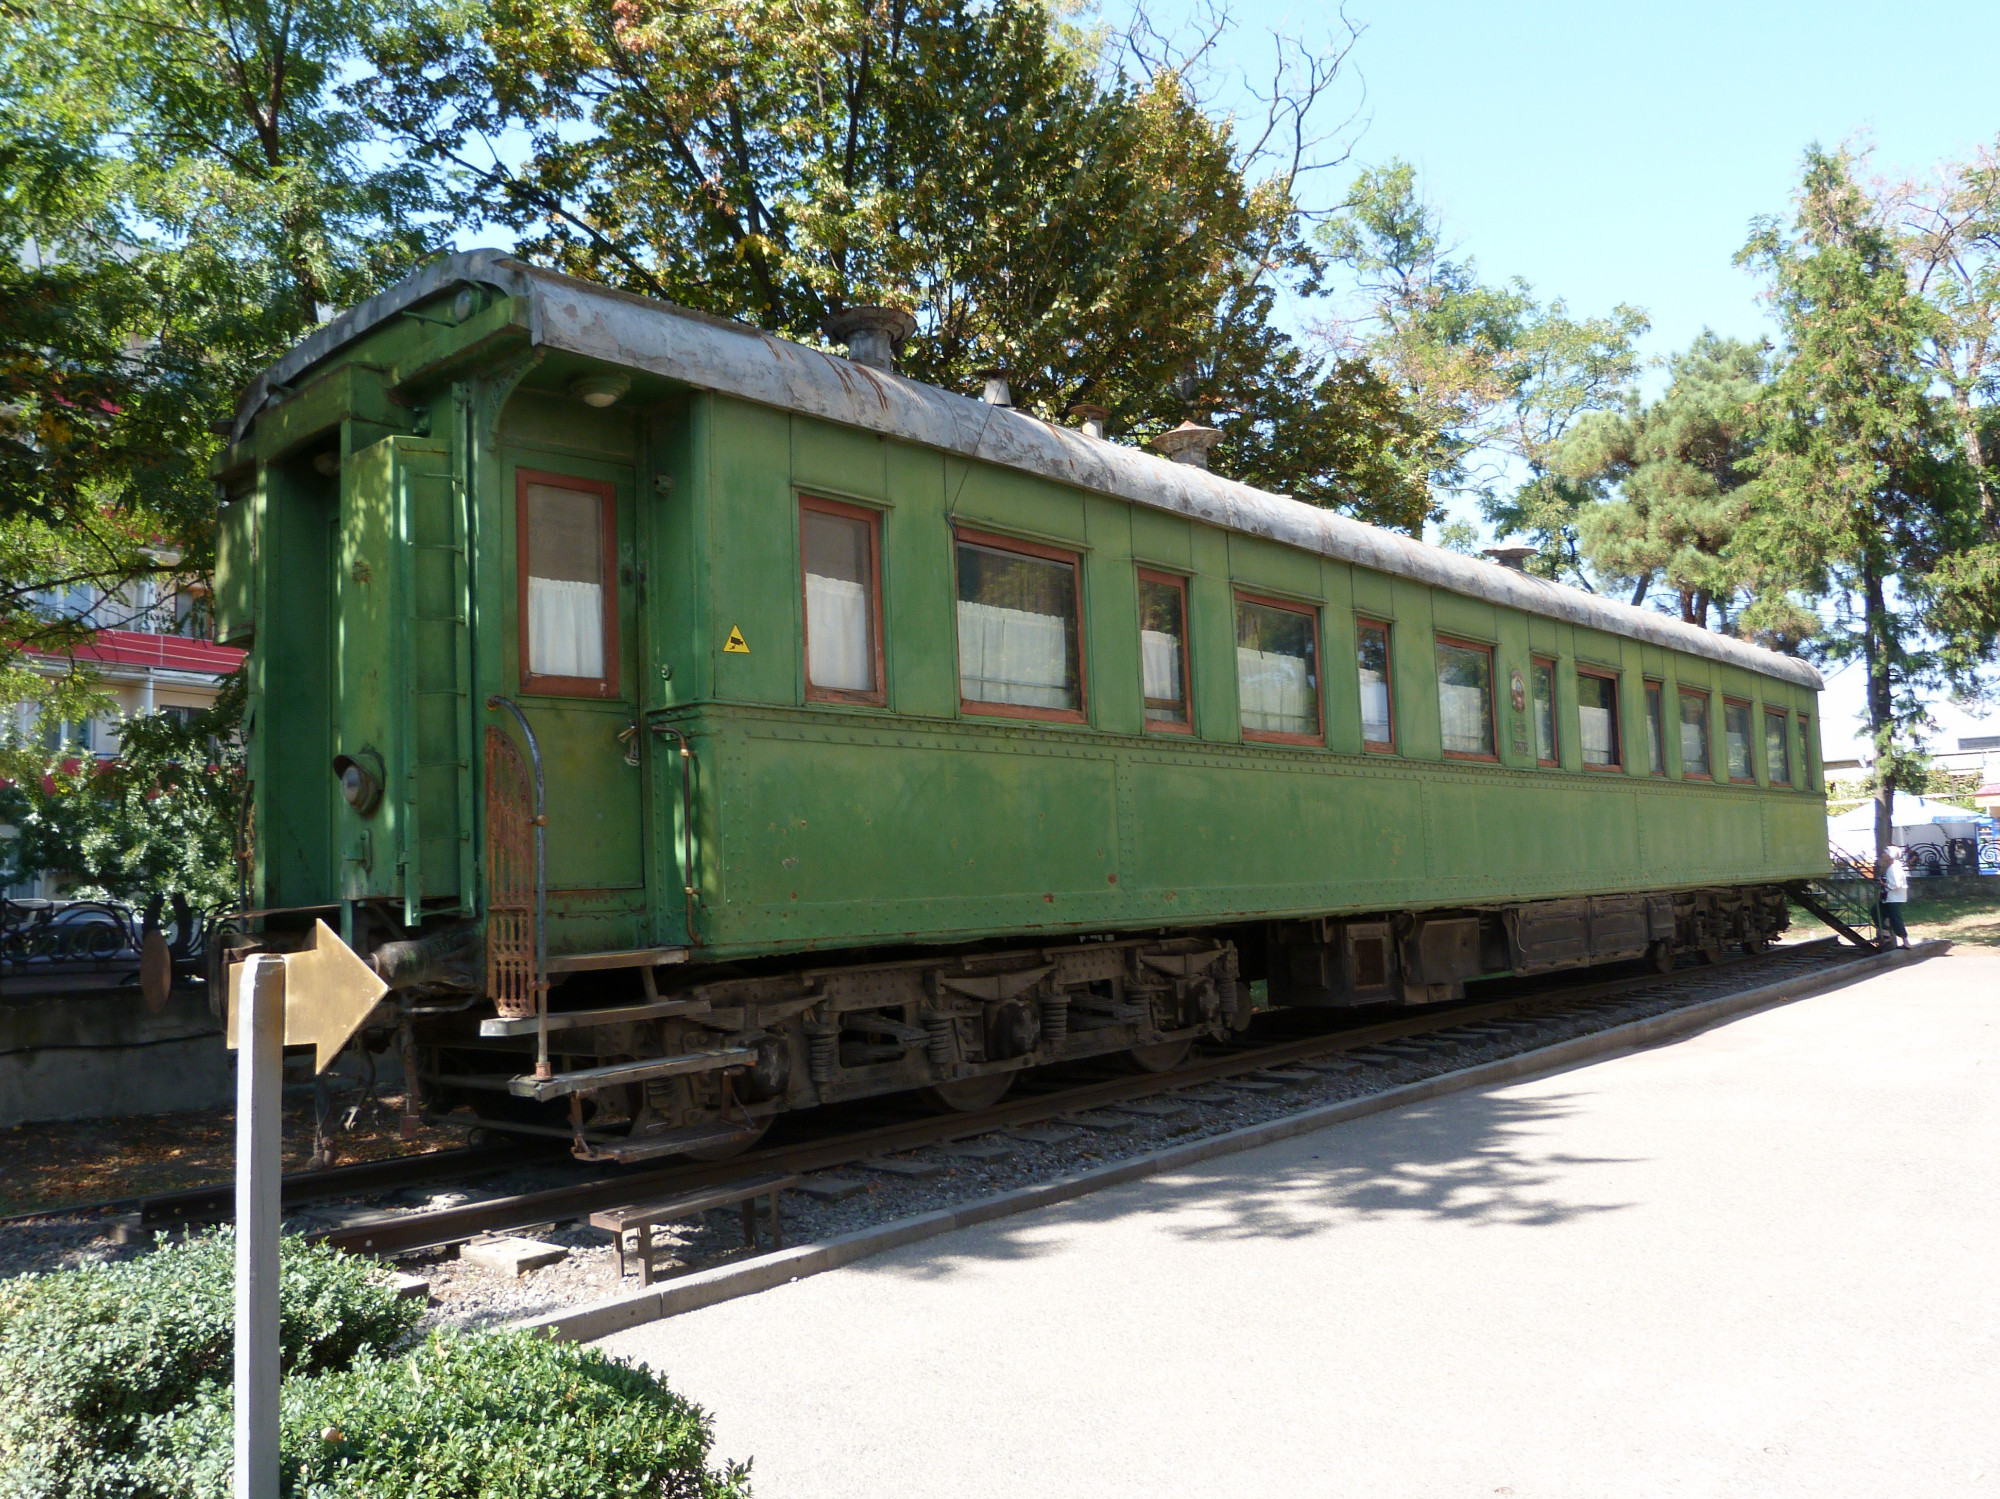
[1514, 559]
[1090, 418]
[996, 392]
[872, 334]
[1188, 443]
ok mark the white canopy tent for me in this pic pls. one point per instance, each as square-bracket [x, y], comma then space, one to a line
[1917, 819]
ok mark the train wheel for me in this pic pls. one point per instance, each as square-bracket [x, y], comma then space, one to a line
[734, 1147]
[966, 1095]
[1661, 957]
[1164, 1057]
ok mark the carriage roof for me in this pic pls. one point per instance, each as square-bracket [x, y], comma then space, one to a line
[710, 353]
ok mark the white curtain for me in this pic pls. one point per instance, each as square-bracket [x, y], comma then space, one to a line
[1463, 710]
[1276, 697]
[1012, 656]
[1374, 708]
[1160, 654]
[1597, 740]
[1694, 747]
[837, 635]
[565, 628]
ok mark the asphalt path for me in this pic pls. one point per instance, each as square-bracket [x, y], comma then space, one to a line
[1763, 1261]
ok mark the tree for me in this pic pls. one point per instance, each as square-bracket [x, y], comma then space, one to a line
[1494, 378]
[1679, 467]
[1863, 491]
[184, 191]
[1084, 225]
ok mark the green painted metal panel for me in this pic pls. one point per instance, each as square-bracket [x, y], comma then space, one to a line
[919, 616]
[1413, 671]
[368, 659]
[1017, 503]
[1260, 566]
[236, 570]
[291, 724]
[1111, 613]
[751, 536]
[1212, 639]
[1161, 540]
[839, 462]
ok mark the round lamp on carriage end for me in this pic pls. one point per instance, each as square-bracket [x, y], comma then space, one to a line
[360, 780]
[600, 390]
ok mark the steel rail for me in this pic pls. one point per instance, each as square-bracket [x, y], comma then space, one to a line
[405, 1232]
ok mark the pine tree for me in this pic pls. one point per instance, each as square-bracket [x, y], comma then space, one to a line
[1862, 488]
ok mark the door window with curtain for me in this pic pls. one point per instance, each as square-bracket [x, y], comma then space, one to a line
[1277, 670]
[1543, 695]
[1378, 719]
[1656, 729]
[568, 545]
[1018, 634]
[1694, 734]
[1465, 699]
[839, 557]
[1163, 662]
[1597, 721]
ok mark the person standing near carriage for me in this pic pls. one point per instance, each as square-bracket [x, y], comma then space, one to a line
[1895, 892]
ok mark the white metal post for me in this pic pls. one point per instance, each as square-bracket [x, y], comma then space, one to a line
[260, 1064]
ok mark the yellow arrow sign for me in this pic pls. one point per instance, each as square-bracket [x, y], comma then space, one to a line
[329, 992]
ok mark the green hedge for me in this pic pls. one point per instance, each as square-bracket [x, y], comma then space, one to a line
[87, 1356]
[493, 1416]
[115, 1384]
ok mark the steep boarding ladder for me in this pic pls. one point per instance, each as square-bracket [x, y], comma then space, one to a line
[1846, 899]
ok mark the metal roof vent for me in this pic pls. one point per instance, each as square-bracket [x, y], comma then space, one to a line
[996, 392]
[1188, 443]
[1090, 418]
[872, 334]
[1514, 559]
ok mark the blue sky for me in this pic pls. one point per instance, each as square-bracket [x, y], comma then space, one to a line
[1618, 153]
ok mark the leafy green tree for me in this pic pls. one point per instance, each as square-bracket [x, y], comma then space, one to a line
[184, 191]
[1494, 378]
[1091, 230]
[1863, 489]
[1678, 469]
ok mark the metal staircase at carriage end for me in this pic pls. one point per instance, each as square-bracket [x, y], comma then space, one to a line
[1846, 899]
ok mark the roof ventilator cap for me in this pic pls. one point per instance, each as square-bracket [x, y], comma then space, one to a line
[996, 392]
[872, 334]
[1514, 559]
[1188, 443]
[1090, 418]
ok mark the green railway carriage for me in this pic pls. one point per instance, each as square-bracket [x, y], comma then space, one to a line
[892, 738]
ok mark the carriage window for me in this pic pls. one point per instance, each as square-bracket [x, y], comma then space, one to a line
[1378, 719]
[1656, 729]
[1542, 695]
[1694, 734]
[567, 540]
[1597, 718]
[1736, 735]
[1277, 670]
[1777, 748]
[1163, 650]
[1465, 699]
[1017, 629]
[1806, 750]
[837, 551]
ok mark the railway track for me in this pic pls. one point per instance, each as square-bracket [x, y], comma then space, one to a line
[1428, 1036]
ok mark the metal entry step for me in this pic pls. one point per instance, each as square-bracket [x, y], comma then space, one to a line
[562, 1084]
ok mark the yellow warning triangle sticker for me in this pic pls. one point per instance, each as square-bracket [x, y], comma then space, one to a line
[735, 642]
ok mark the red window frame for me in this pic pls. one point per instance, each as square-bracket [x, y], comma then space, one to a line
[1078, 714]
[1311, 612]
[1750, 736]
[1365, 622]
[879, 695]
[1708, 730]
[1656, 690]
[1162, 726]
[1555, 723]
[1492, 707]
[536, 684]
[1616, 767]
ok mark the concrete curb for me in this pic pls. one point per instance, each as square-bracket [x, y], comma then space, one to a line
[747, 1277]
